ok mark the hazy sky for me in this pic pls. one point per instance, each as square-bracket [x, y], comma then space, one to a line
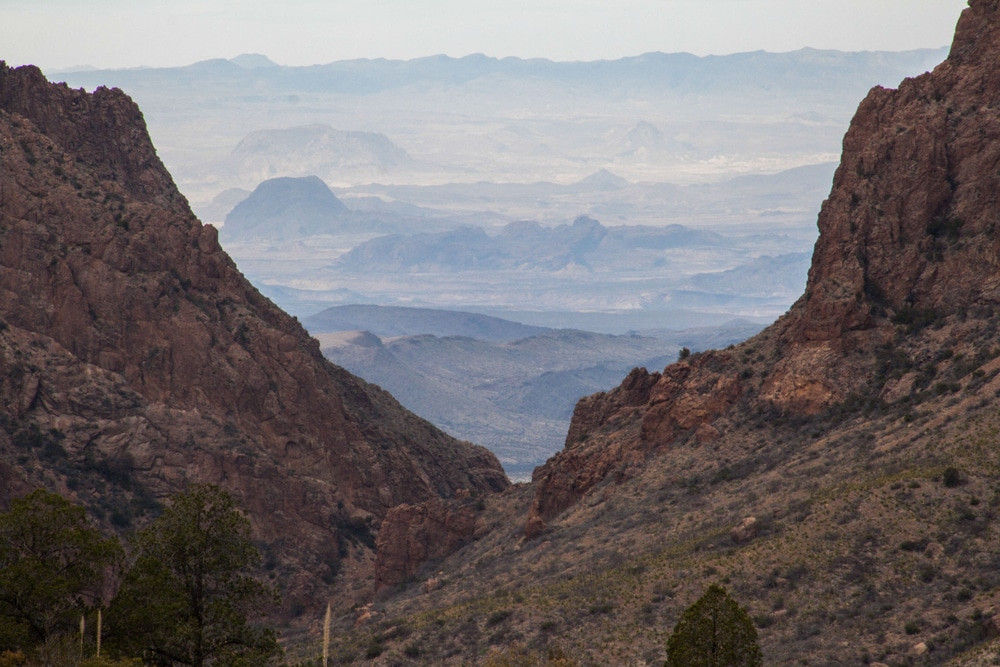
[130, 33]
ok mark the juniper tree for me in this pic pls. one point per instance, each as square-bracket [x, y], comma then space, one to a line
[714, 632]
[53, 567]
[190, 595]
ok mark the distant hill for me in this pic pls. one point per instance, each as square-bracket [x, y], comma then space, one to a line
[281, 209]
[388, 321]
[313, 149]
[784, 275]
[513, 396]
[508, 386]
[698, 339]
[522, 246]
[602, 180]
[646, 141]
[253, 61]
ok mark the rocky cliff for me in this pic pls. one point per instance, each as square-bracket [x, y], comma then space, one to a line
[908, 236]
[412, 535]
[134, 356]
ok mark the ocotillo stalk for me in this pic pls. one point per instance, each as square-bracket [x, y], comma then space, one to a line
[83, 628]
[98, 633]
[326, 635]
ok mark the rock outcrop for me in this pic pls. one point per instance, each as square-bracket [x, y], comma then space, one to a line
[134, 356]
[910, 234]
[412, 535]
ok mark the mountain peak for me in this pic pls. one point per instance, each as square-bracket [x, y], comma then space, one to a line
[253, 61]
[909, 223]
[100, 127]
[977, 35]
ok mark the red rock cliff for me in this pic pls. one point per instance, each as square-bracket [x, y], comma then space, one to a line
[134, 353]
[909, 233]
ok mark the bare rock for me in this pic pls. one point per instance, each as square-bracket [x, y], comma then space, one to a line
[746, 531]
[413, 534]
[613, 433]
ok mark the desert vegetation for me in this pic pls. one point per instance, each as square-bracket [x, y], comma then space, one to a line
[185, 592]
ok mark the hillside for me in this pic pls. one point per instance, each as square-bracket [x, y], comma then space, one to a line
[514, 397]
[135, 358]
[837, 472]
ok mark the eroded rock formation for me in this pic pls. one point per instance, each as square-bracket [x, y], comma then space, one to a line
[412, 535]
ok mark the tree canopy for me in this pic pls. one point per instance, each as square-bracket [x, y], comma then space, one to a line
[714, 632]
[189, 597]
[53, 568]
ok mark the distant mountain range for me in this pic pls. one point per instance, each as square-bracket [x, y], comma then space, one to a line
[810, 69]
[389, 321]
[309, 248]
[424, 147]
[515, 397]
[655, 117]
[520, 246]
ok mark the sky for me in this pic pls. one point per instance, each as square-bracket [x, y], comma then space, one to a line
[57, 34]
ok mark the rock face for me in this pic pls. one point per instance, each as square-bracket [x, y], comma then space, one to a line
[134, 356]
[411, 535]
[909, 234]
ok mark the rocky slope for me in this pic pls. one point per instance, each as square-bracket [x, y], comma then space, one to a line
[837, 472]
[907, 235]
[134, 358]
